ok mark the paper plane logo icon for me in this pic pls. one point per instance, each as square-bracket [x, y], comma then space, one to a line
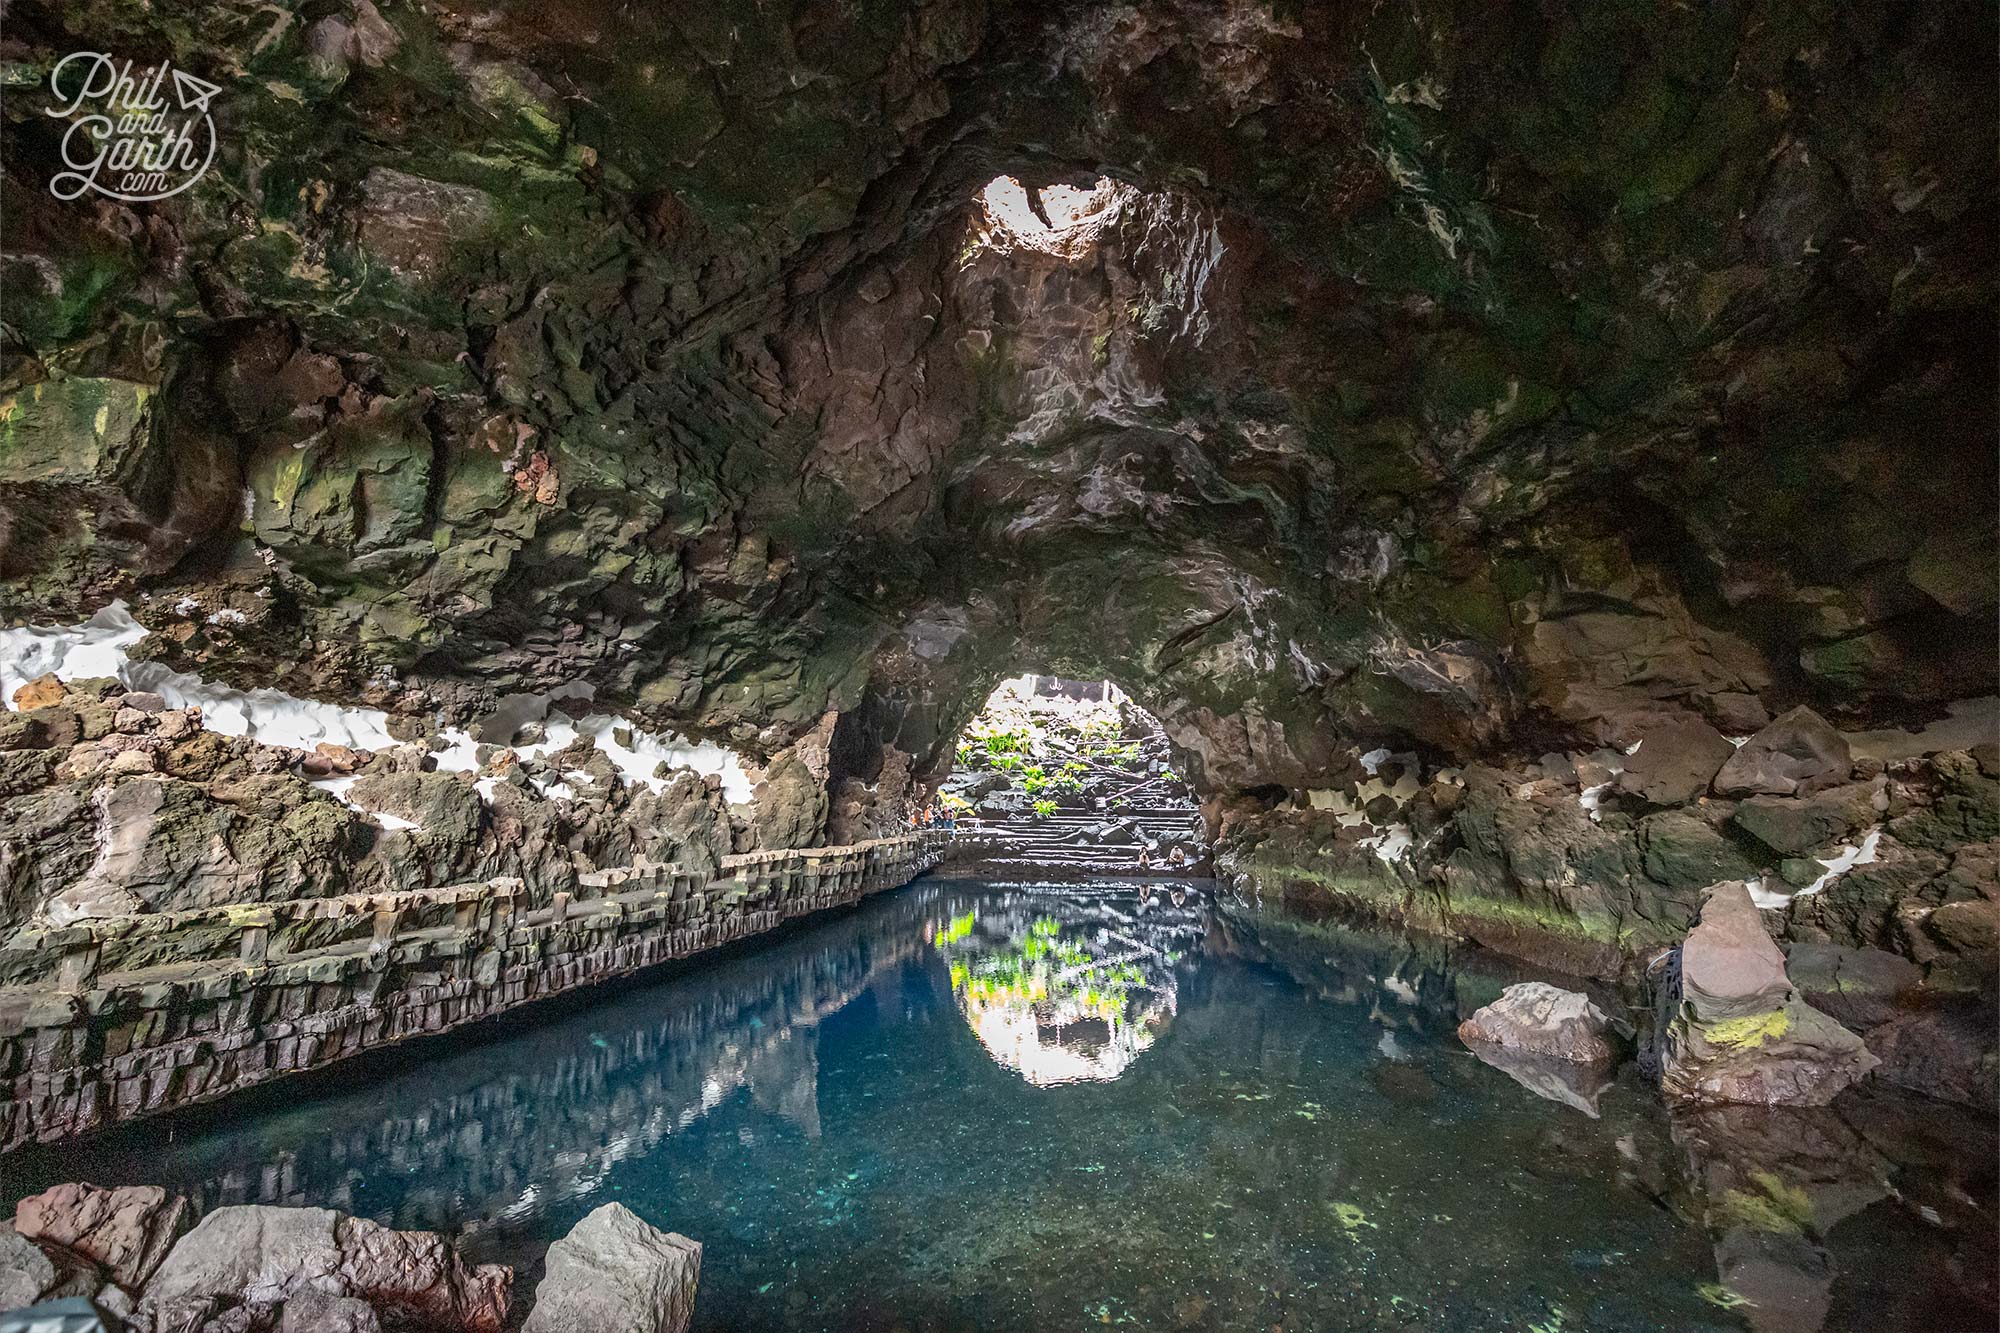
[194, 93]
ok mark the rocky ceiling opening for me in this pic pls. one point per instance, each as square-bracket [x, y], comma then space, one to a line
[1057, 219]
[1531, 462]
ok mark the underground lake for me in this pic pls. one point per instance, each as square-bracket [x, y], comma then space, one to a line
[999, 666]
[1037, 1107]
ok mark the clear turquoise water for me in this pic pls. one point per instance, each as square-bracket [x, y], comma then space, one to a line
[998, 1107]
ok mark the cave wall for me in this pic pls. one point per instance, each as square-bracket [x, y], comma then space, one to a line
[1479, 383]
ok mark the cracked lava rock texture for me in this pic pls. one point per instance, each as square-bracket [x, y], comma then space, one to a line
[1535, 460]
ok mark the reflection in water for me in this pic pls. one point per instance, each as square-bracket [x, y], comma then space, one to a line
[1562, 1081]
[1782, 1189]
[1071, 983]
[1269, 1126]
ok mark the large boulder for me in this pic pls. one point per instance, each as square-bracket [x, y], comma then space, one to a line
[1730, 1028]
[318, 1312]
[32, 1271]
[263, 1256]
[1729, 964]
[791, 805]
[127, 1230]
[613, 1273]
[1793, 826]
[25, 1272]
[1683, 851]
[1539, 1019]
[1675, 762]
[1798, 754]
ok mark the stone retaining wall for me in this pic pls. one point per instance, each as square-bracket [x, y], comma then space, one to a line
[111, 1019]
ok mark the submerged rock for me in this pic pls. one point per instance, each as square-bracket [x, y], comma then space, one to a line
[613, 1273]
[1535, 1018]
[1731, 1028]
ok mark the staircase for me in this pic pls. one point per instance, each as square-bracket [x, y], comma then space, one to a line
[1083, 789]
[1073, 845]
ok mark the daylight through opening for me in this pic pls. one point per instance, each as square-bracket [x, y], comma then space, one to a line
[1058, 219]
[1073, 780]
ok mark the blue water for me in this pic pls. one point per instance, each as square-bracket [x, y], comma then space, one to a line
[1006, 1108]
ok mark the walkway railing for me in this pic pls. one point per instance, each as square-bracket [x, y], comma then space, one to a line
[107, 1019]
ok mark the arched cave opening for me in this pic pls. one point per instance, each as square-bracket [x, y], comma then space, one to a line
[555, 495]
[1071, 779]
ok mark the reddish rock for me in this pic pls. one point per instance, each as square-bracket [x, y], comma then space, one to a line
[128, 1230]
[256, 1255]
[41, 692]
[339, 758]
[1730, 1028]
[1729, 964]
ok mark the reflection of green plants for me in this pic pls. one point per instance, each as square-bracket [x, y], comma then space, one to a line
[1045, 808]
[1778, 1208]
[957, 928]
[1045, 967]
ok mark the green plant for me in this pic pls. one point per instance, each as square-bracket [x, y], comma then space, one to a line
[1033, 779]
[1043, 809]
[1170, 775]
[1099, 729]
[964, 755]
[1007, 763]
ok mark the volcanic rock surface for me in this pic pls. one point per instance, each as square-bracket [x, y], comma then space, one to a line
[1459, 427]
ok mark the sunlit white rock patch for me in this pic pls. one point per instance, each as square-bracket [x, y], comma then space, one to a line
[1768, 891]
[101, 646]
